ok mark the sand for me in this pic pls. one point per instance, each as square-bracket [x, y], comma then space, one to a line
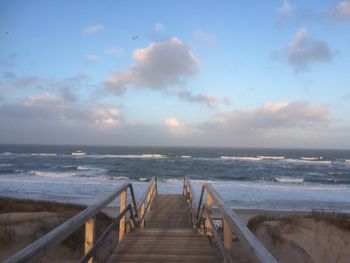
[24, 221]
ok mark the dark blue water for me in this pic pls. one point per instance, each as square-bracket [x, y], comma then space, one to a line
[142, 163]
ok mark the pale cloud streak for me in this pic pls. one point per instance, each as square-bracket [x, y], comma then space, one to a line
[206, 99]
[94, 29]
[158, 66]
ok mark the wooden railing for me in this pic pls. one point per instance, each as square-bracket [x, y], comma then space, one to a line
[145, 204]
[36, 249]
[232, 229]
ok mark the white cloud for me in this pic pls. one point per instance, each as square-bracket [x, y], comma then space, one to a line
[159, 27]
[91, 30]
[285, 8]
[342, 11]
[204, 98]
[158, 66]
[179, 128]
[303, 51]
[92, 57]
[204, 38]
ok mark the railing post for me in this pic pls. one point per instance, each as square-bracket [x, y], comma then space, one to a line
[89, 236]
[142, 213]
[228, 242]
[122, 220]
[209, 207]
[149, 199]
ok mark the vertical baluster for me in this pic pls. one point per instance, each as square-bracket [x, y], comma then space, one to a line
[142, 212]
[228, 243]
[123, 220]
[209, 209]
[89, 236]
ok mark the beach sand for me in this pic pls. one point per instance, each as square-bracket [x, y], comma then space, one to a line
[24, 221]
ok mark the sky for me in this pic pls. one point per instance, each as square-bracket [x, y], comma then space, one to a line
[176, 73]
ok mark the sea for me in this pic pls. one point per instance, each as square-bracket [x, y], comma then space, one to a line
[254, 178]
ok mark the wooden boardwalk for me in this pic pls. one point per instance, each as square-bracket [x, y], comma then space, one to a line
[168, 236]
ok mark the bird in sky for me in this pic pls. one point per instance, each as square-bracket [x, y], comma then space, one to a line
[135, 37]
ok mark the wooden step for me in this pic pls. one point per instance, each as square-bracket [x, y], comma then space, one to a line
[162, 258]
[168, 237]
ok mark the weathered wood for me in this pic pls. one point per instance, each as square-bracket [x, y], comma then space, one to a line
[61, 232]
[167, 237]
[142, 215]
[232, 219]
[89, 236]
[228, 243]
[209, 204]
[122, 221]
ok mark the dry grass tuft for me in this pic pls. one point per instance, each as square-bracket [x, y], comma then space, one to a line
[342, 221]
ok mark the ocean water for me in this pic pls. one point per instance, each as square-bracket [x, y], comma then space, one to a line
[284, 179]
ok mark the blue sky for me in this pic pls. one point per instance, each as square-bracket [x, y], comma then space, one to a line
[198, 73]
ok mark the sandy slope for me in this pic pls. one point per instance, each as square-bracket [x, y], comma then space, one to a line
[305, 241]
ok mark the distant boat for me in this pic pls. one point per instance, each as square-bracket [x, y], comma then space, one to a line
[78, 153]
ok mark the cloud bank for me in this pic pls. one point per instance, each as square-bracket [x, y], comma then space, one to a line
[158, 66]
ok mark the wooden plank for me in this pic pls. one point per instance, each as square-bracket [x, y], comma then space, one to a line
[89, 236]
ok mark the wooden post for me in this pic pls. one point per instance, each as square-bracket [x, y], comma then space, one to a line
[89, 236]
[122, 221]
[208, 207]
[142, 212]
[149, 199]
[228, 242]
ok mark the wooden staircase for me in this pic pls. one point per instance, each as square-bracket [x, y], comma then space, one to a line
[168, 236]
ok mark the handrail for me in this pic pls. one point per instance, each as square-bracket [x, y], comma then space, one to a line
[145, 203]
[231, 223]
[64, 230]
[191, 199]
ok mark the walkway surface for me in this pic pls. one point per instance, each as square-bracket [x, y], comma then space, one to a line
[168, 236]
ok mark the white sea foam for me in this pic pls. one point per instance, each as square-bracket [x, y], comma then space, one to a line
[153, 155]
[53, 174]
[263, 157]
[44, 154]
[292, 160]
[269, 195]
[311, 158]
[78, 153]
[143, 179]
[186, 156]
[83, 168]
[289, 180]
[241, 158]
